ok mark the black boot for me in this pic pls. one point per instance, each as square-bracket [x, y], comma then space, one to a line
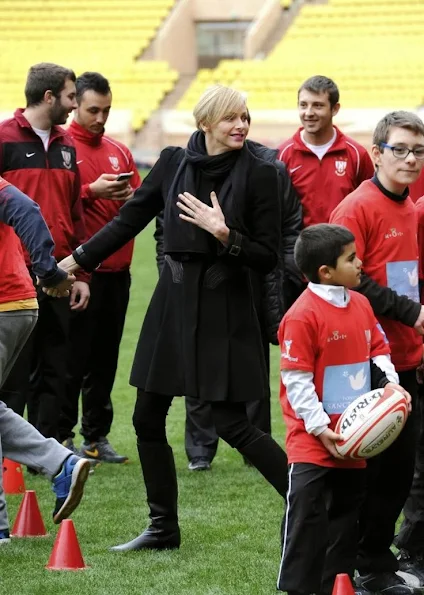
[157, 463]
[270, 460]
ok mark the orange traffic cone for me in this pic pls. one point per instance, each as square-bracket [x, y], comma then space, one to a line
[343, 585]
[66, 554]
[29, 522]
[13, 478]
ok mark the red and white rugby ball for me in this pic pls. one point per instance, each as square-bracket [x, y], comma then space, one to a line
[371, 423]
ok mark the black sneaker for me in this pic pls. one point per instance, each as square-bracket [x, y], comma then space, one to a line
[199, 464]
[69, 444]
[4, 536]
[411, 566]
[101, 450]
[385, 583]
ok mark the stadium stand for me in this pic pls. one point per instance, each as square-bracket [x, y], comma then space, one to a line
[103, 35]
[371, 49]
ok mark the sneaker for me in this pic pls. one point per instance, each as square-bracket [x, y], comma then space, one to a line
[4, 537]
[68, 485]
[385, 583]
[199, 464]
[102, 450]
[411, 566]
[69, 444]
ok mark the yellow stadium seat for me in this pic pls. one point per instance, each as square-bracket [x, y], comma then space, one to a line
[372, 50]
[103, 35]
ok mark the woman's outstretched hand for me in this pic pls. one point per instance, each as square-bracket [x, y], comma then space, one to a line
[211, 219]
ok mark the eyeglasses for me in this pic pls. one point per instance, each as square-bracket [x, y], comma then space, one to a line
[403, 152]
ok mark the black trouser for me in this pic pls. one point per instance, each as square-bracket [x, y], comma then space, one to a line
[44, 360]
[411, 534]
[230, 420]
[201, 437]
[320, 528]
[93, 352]
[232, 425]
[389, 478]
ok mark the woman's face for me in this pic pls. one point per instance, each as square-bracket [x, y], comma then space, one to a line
[228, 134]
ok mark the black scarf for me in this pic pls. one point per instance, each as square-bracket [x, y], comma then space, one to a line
[196, 168]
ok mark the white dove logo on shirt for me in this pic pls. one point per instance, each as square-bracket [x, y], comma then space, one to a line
[413, 277]
[357, 382]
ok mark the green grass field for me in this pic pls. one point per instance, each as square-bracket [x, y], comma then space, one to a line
[230, 518]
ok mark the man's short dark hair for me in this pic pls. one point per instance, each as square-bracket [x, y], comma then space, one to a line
[319, 245]
[398, 119]
[92, 81]
[46, 77]
[321, 84]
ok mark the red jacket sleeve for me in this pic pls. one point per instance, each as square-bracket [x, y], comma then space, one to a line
[77, 215]
[366, 168]
[419, 205]
[135, 180]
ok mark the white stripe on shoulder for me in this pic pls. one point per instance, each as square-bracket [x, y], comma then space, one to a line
[280, 156]
[109, 140]
[357, 156]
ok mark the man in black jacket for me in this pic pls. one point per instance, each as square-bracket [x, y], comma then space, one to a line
[274, 294]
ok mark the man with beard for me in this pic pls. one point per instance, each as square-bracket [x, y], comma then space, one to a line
[96, 334]
[38, 157]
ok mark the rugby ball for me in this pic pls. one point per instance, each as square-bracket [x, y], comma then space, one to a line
[371, 423]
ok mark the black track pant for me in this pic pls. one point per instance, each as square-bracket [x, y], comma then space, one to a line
[411, 534]
[38, 376]
[320, 528]
[389, 478]
[92, 360]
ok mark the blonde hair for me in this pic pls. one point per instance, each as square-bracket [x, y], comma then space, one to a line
[217, 102]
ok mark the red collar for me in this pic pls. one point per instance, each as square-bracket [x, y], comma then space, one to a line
[55, 131]
[85, 136]
[339, 143]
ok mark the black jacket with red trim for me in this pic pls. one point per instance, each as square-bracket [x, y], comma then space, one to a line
[51, 178]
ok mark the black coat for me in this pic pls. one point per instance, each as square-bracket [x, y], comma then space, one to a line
[201, 335]
[276, 291]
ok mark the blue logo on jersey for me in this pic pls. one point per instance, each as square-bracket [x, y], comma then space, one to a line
[343, 384]
[402, 277]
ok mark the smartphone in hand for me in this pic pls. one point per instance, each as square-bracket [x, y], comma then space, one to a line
[124, 177]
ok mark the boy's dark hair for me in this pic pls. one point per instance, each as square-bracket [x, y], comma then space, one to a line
[320, 245]
[46, 77]
[321, 84]
[399, 119]
[91, 81]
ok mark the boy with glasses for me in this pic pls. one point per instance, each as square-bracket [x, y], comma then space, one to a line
[383, 220]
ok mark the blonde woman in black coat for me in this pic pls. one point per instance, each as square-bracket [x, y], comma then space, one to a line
[200, 336]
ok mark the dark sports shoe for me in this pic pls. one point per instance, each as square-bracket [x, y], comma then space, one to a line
[4, 537]
[101, 450]
[411, 564]
[69, 444]
[385, 583]
[199, 464]
[68, 485]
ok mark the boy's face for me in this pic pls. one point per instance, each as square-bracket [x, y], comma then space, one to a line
[397, 173]
[347, 271]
